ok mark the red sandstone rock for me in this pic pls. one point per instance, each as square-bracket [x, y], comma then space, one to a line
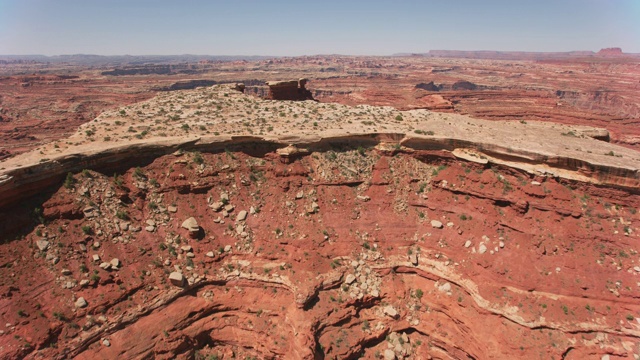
[279, 292]
[288, 90]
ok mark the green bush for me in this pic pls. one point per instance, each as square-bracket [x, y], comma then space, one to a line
[197, 158]
[69, 181]
[122, 215]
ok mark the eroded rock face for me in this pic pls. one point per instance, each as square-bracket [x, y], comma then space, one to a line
[516, 253]
[288, 90]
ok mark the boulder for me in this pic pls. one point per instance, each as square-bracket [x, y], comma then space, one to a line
[176, 279]
[217, 206]
[242, 215]
[482, 248]
[436, 224]
[42, 245]
[446, 287]
[349, 279]
[390, 311]
[115, 263]
[191, 224]
[81, 303]
[88, 211]
[389, 355]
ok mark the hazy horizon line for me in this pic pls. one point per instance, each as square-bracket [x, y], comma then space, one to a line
[320, 54]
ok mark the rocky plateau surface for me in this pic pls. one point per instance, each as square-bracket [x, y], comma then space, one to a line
[40, 103]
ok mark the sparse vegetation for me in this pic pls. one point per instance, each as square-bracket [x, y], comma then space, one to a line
[419, 294]
[86, 229]
[69, 181]
[197, 158]
[122, 215]
[137, 172]
[117, 180]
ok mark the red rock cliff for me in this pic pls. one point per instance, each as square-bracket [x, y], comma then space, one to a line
[288, 90]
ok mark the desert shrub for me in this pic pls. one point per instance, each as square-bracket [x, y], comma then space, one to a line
[122, 215]
[197, 158]
[69, 181]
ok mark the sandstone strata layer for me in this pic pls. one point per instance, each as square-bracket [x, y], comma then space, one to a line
[121, 138]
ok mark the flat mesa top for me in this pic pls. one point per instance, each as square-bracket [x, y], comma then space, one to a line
[218, 113]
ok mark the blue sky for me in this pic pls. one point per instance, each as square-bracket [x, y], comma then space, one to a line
[300, 27]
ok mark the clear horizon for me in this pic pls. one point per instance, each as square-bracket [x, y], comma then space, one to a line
[296, 28]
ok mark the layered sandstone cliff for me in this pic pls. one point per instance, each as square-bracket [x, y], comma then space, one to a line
[288, 90]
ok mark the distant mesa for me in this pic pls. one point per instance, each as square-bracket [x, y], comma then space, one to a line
[614, 51]
[186, 85]
[429, 86]
[464, 85]
[289, 90]
[458, 85]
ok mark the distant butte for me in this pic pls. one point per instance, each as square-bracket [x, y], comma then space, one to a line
[614, 51]
[288, 90]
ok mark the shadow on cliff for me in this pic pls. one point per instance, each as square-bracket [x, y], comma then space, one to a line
[20, 219]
